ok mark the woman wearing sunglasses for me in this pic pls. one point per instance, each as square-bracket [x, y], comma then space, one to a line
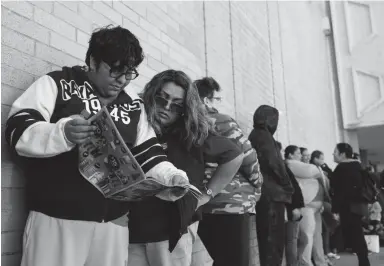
[176, 113]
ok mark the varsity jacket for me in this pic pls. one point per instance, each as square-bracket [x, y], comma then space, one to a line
[35, 132]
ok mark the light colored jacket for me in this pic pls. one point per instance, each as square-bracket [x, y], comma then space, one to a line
[307, 175]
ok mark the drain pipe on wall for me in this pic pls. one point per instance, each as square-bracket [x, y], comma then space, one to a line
[332, 71]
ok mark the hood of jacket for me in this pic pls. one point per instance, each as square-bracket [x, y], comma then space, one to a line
[266, 117]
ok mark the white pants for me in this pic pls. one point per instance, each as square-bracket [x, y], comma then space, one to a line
[310, 244]
[50, 241]
[157, 253]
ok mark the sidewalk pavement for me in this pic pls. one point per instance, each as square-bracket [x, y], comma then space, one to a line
[348, 259]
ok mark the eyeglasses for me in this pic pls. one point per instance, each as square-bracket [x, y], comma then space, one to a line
[130, 74]
[173, 107]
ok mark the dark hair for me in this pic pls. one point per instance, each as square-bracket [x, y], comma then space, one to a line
[355, 156]
[278, 145]
[206, 87]
[346, 149]
[290, 150]
[302, 149]
[315, 155]
[112, 45]
[195, 124]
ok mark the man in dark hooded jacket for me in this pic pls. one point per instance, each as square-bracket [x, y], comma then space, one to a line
[276, 191]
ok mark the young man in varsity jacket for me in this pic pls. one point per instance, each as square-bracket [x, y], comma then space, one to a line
[70, 222]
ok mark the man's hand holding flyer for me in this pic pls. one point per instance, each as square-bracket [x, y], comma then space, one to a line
[107, 163]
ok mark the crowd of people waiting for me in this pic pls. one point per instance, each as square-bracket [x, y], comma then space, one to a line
[178, 137]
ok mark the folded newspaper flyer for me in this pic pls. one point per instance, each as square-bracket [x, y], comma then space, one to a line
[107, 163]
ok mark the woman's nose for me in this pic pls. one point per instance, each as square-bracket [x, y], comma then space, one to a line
[167, 106]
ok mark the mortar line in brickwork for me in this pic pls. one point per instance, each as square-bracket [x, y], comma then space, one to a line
[270, 56]
[205, 41]
[271, 62]
[283, 68]
[232, 59]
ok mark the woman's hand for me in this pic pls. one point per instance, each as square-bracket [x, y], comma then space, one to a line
[336, 216]
[179, 181]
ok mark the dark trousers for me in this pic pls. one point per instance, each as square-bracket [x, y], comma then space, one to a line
[326, 234]
[270, 227]
[352, 228]
[226, 238]
[337, 242]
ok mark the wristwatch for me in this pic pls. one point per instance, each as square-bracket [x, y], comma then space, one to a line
[208, 191]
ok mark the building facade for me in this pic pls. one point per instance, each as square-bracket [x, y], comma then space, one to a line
[286, 54]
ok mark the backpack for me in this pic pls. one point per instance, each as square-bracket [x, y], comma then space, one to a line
[369, 191]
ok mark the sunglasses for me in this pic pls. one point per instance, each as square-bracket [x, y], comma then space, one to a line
[173, 107]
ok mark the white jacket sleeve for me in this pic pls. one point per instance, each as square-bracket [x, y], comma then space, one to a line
[28, 130]
[150, 154]
[303, 170]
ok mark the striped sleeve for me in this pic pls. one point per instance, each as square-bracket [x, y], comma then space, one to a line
[150, 154]
[28, 130]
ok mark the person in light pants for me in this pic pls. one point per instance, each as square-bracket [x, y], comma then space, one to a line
[294, 212]
[184, 131]
[312, 185]
[71, 223]
[77, 242]
[157, 254]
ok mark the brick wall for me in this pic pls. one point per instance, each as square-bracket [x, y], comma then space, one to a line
[260, 52]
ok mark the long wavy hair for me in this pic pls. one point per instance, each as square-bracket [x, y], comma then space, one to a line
[194, 125]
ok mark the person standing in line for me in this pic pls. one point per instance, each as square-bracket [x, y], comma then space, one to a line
[277, 188]
[305, 155]
[310, 181]
[347, 205]
[224, 229]
[328, 223]
[163, 233]
[293, 214]
[70, 222]
[335, 237]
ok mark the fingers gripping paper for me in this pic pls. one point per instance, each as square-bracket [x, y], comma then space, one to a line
[107, 163]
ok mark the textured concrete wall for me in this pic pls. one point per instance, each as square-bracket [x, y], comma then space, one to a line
[260, 52]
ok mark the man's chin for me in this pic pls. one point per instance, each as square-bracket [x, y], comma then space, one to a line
[113, 93]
